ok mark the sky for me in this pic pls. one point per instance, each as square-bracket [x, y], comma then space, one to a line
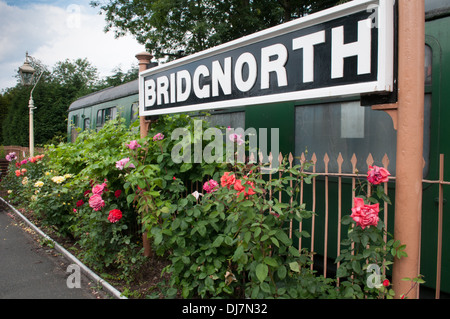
[56, 30]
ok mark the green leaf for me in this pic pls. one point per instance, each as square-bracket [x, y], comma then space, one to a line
[247, 237]
[349, 292]
[275, 241]
[247, 203]
[341, 272]
[185, 292]
[238, 253]
[271, 261]
[265, 287]
[356, 266]
[364, 240]
[171, 292]
[281, 272]
[281, 235]
[261, 272]
[385, 198]
[185, 167]
[294, 251]
[255, 292]
[218, 241]
[130, 198]
[294, 266]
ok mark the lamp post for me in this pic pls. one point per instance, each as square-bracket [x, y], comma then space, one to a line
[27, 72]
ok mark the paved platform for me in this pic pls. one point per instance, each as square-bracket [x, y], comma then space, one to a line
[29, 270]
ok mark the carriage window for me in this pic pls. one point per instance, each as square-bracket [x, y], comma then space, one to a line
[112, 113]
[75, 120]
[100, 118]
[105, 115]
[348, 128]
[134, 112]
[87, 123]
[73, 129]
[227, 119]
[345, 128]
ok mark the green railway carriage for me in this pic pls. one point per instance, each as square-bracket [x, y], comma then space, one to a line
[93, 110]
[337, 126]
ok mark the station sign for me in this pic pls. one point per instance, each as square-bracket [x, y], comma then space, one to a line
[346, 50]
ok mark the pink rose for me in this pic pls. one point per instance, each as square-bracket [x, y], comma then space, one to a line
[365, 215]
[121, 164]
[98, 189]
[158, 137]
[236, 138]
[133, 145]
[211, 186]
[96, 202]
[377, 175]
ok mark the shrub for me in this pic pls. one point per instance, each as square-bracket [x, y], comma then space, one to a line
[232, 241]
[224, 233]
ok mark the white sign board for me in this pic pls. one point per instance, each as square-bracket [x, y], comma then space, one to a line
[342, 51]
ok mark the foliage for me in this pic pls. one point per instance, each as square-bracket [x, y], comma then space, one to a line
[157, 180]
[59, 187]
[228, 243]
[217, 223]
[233, 242]
[175, 28]
[363, 266]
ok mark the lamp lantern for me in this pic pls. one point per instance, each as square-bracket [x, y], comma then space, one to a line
[27, 72]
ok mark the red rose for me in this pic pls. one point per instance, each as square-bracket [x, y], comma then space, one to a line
[365, 215]
[386, 283]
[80, 203]
[227, 180]
[114, 215]
[117, 193]
[241, 188]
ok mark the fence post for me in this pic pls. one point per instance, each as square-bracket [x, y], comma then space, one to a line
[144, 59]
[440, 221]
[409, 168]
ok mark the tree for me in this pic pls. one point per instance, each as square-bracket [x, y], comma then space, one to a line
[3, 113]
[52, 96]
[58, 87]
[179, 27]
[78, 75]
[119, 77]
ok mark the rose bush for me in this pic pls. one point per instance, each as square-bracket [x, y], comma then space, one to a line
[77, 189]
[234, 243]
[363, 266]
[224, 236]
